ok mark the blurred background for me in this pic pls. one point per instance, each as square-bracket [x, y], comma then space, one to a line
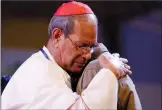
[132, 29]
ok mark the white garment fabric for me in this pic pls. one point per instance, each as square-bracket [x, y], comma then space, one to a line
[40, 83]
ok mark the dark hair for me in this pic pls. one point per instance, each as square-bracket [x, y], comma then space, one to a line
[66, 23]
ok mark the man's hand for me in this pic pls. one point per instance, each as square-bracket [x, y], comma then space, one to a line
[125, 61]
[117, 65]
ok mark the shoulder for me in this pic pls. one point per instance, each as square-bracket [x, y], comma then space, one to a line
[36, 71]
[36, 62]
[39, 67]
[35, 67]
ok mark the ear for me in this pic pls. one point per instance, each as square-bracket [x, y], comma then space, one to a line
[57, 35]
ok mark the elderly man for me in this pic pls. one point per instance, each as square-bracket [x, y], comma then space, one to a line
[43, 80]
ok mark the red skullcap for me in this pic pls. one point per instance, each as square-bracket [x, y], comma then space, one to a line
[73, 8]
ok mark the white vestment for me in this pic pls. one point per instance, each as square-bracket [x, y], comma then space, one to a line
[40, 83]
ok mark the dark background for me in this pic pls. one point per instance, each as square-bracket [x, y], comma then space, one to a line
[109, 14]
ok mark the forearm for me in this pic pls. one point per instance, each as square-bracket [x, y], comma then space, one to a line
[101, 93]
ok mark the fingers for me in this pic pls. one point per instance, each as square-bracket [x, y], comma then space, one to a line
[121, 74]
[124, 60]
[116, 54]
[124, 70]
[128, 72]
[127, 66]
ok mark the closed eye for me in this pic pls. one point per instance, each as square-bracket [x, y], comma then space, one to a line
[94, 45]
[82, 45]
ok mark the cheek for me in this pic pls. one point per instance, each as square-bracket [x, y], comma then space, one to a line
[69, 56]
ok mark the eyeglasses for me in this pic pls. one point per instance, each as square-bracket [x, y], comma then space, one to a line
[83, 50]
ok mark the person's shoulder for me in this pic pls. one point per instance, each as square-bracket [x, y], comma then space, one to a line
[126, 83]
[36, 62]
[38, 66]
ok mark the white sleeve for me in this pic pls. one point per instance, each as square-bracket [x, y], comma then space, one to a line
[102, 91]
[100, 94]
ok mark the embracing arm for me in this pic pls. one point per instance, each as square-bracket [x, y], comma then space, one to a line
[100, 94]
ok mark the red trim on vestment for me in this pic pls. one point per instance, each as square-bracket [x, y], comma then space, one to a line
[85, 103]
[87, 108]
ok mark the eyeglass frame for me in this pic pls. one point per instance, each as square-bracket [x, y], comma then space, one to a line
[87, 49]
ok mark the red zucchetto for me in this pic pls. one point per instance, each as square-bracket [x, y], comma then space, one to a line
[73, 8]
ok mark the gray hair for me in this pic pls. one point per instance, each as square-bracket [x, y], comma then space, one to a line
[66, 23]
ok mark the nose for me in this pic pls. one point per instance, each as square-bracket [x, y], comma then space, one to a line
[87, 56]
